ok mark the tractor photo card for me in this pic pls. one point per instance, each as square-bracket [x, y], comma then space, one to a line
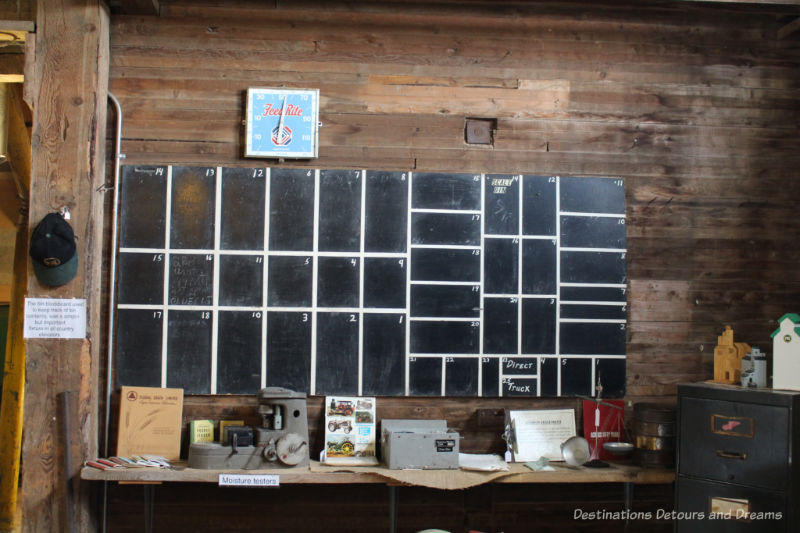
[349, 431]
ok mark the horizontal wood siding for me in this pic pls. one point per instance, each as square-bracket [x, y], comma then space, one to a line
[696, 106]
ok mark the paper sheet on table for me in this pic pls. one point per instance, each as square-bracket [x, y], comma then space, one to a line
[540, 432]
[484, 462]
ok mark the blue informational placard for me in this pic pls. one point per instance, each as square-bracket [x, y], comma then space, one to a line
[281, 122]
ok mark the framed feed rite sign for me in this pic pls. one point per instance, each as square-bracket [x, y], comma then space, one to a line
[281, 122]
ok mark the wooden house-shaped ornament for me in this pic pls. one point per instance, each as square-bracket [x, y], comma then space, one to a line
[786, 353]
[728, 357]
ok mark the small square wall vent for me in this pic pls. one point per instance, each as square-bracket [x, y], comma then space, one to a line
[479, 130]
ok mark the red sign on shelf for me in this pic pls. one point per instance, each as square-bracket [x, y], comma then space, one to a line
[603, 422]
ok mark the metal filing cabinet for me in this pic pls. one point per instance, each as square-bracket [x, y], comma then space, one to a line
[737, 454]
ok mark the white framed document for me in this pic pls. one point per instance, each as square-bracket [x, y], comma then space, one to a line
[536, 433]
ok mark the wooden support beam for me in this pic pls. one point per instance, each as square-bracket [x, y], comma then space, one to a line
[68, 164]
[11, 407]
[18, 28]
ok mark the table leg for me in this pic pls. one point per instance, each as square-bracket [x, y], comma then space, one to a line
[149, 500]
[392, 508]
[628, 495]
[628, 488]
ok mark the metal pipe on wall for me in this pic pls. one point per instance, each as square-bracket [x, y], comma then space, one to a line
[112, 291]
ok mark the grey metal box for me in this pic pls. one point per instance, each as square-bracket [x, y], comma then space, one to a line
[419, 444]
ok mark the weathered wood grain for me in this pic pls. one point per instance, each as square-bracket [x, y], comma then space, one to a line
[68, 157]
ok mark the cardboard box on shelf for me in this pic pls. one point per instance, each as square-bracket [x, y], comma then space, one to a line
[150, 422]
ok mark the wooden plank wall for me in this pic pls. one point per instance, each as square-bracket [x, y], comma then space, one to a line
[696, 106]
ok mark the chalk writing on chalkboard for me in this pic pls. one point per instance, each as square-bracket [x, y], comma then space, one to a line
[371, 282]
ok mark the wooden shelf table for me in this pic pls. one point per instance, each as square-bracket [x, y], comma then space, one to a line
[316, 473]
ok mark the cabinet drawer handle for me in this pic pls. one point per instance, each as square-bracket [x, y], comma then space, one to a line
[732, 455]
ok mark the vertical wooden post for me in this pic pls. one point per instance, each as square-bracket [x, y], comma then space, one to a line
[13, 389]
[19, 151]
[68, 167]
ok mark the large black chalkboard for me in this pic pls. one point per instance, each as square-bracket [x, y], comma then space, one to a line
[191, 279]
[337, 353]
[446, 191]
[444, 337]
[189, 350]
[425, 376]
[384, 353]
[593, 267]
[371, 282]
[141, 278]
[290, 281]
[241, 280]
[445, 301]
[593, 311]
[289, 349]
[576, 377]
[386, 211]
[539, 266]
[592, 232]
[461, 376]
[434, 264]
[340, 210]
[593, 294]
[445, 228]
[338, 282]
[539, 213]
[291, 209]
[490, 376]
[501, 266]
[143, 211]
[592, 195]
[538, 326]
[502, 211]
[519, 366]
[592, 338]
[385, 282]
[139, 347]
[242, 211]
[549, 372]
[500, 325]
[239, 351]
[193, 207]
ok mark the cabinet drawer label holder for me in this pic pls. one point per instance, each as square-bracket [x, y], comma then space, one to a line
[736, 426]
